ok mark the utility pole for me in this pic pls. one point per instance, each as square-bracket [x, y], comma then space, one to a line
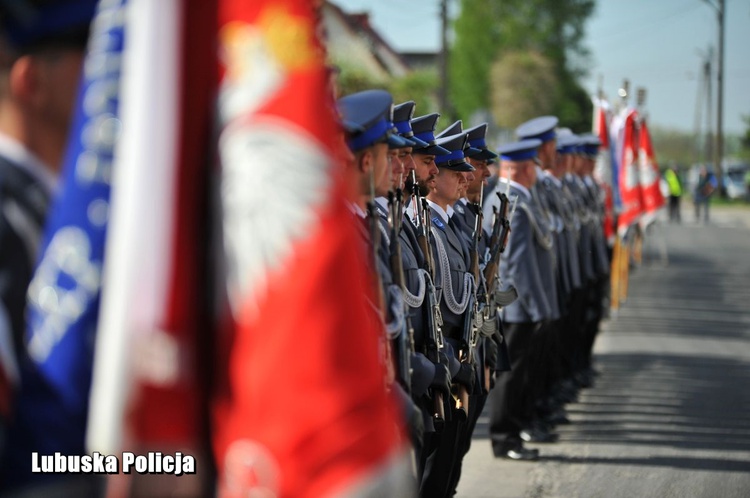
[718, 152]
[707, 74]
[443, 56]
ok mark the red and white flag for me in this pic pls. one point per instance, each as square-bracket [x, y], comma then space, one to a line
[301, 408]
[629, 183]
[146, 391]
[649, 175]
[603, 170]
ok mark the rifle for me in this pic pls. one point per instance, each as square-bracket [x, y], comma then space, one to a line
[498, 241]
[434, 319]
[374, 219]
[405, 340]
[470, 331]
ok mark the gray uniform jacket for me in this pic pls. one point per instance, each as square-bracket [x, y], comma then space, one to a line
[596, 205]
[23, 206]
[546, 259]
[519, 266]
[423, 370]
[457, 256]
[585, 237]
[551, 191]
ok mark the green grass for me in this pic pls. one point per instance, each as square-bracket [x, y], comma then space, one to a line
[719, 201]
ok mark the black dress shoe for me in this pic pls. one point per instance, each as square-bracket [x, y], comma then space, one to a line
[519, 453]
[537, 435]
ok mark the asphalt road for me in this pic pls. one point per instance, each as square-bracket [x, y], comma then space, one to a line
[669, 415]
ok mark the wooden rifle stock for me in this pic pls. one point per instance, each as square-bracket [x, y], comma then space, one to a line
[499, 239]
[373, 220]
[405, 341]
[435, 336]
[500, 231]
[469, 336]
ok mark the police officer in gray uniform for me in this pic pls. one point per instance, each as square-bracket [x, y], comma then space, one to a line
[367, 118]
[425, 374]
[41, 56]
[545, 348]
[594, 200]
[586, 250]
[40, 65]
[566, 148]
[456, 286]
[511, 401]
[467, 218]
[427, 377]
[437, 448]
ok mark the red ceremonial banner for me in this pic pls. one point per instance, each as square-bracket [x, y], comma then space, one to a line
[302, 408]
[603, 169]
[629, 183]
[649, 172]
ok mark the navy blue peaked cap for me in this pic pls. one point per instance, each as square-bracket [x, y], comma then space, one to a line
[542, 128]
[519, 151]
[455, 160]
[477, 141]
[367, 119]
[29, 24]
[455, 129]
[424, 129]
[568, 144]
[590, 145]
[402, 115]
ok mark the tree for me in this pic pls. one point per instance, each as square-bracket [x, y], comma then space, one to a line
[471, 56]
[745, 140]
[487, 30]
[352, 79]
[521, 83]
[421, 86]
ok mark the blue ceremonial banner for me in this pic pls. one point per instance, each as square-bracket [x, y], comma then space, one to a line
[63, 298]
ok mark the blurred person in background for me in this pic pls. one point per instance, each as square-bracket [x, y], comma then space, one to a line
[704, 189]
[672, 176]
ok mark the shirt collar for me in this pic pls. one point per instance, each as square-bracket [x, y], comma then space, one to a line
[22, 157]
[382, 202]
[410, 208]
[555, 180]
[439, 211]
[521, 188]
[356, 210]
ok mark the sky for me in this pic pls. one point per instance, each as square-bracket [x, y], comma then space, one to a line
[659, 45]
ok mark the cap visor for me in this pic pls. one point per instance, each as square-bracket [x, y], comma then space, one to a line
[483, 155]
[396, 142]
[433, 150]
[463, 166]
[418, 142]
[409, 142]
[472, 152]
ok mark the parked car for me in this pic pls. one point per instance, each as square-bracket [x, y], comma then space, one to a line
[734, 181]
